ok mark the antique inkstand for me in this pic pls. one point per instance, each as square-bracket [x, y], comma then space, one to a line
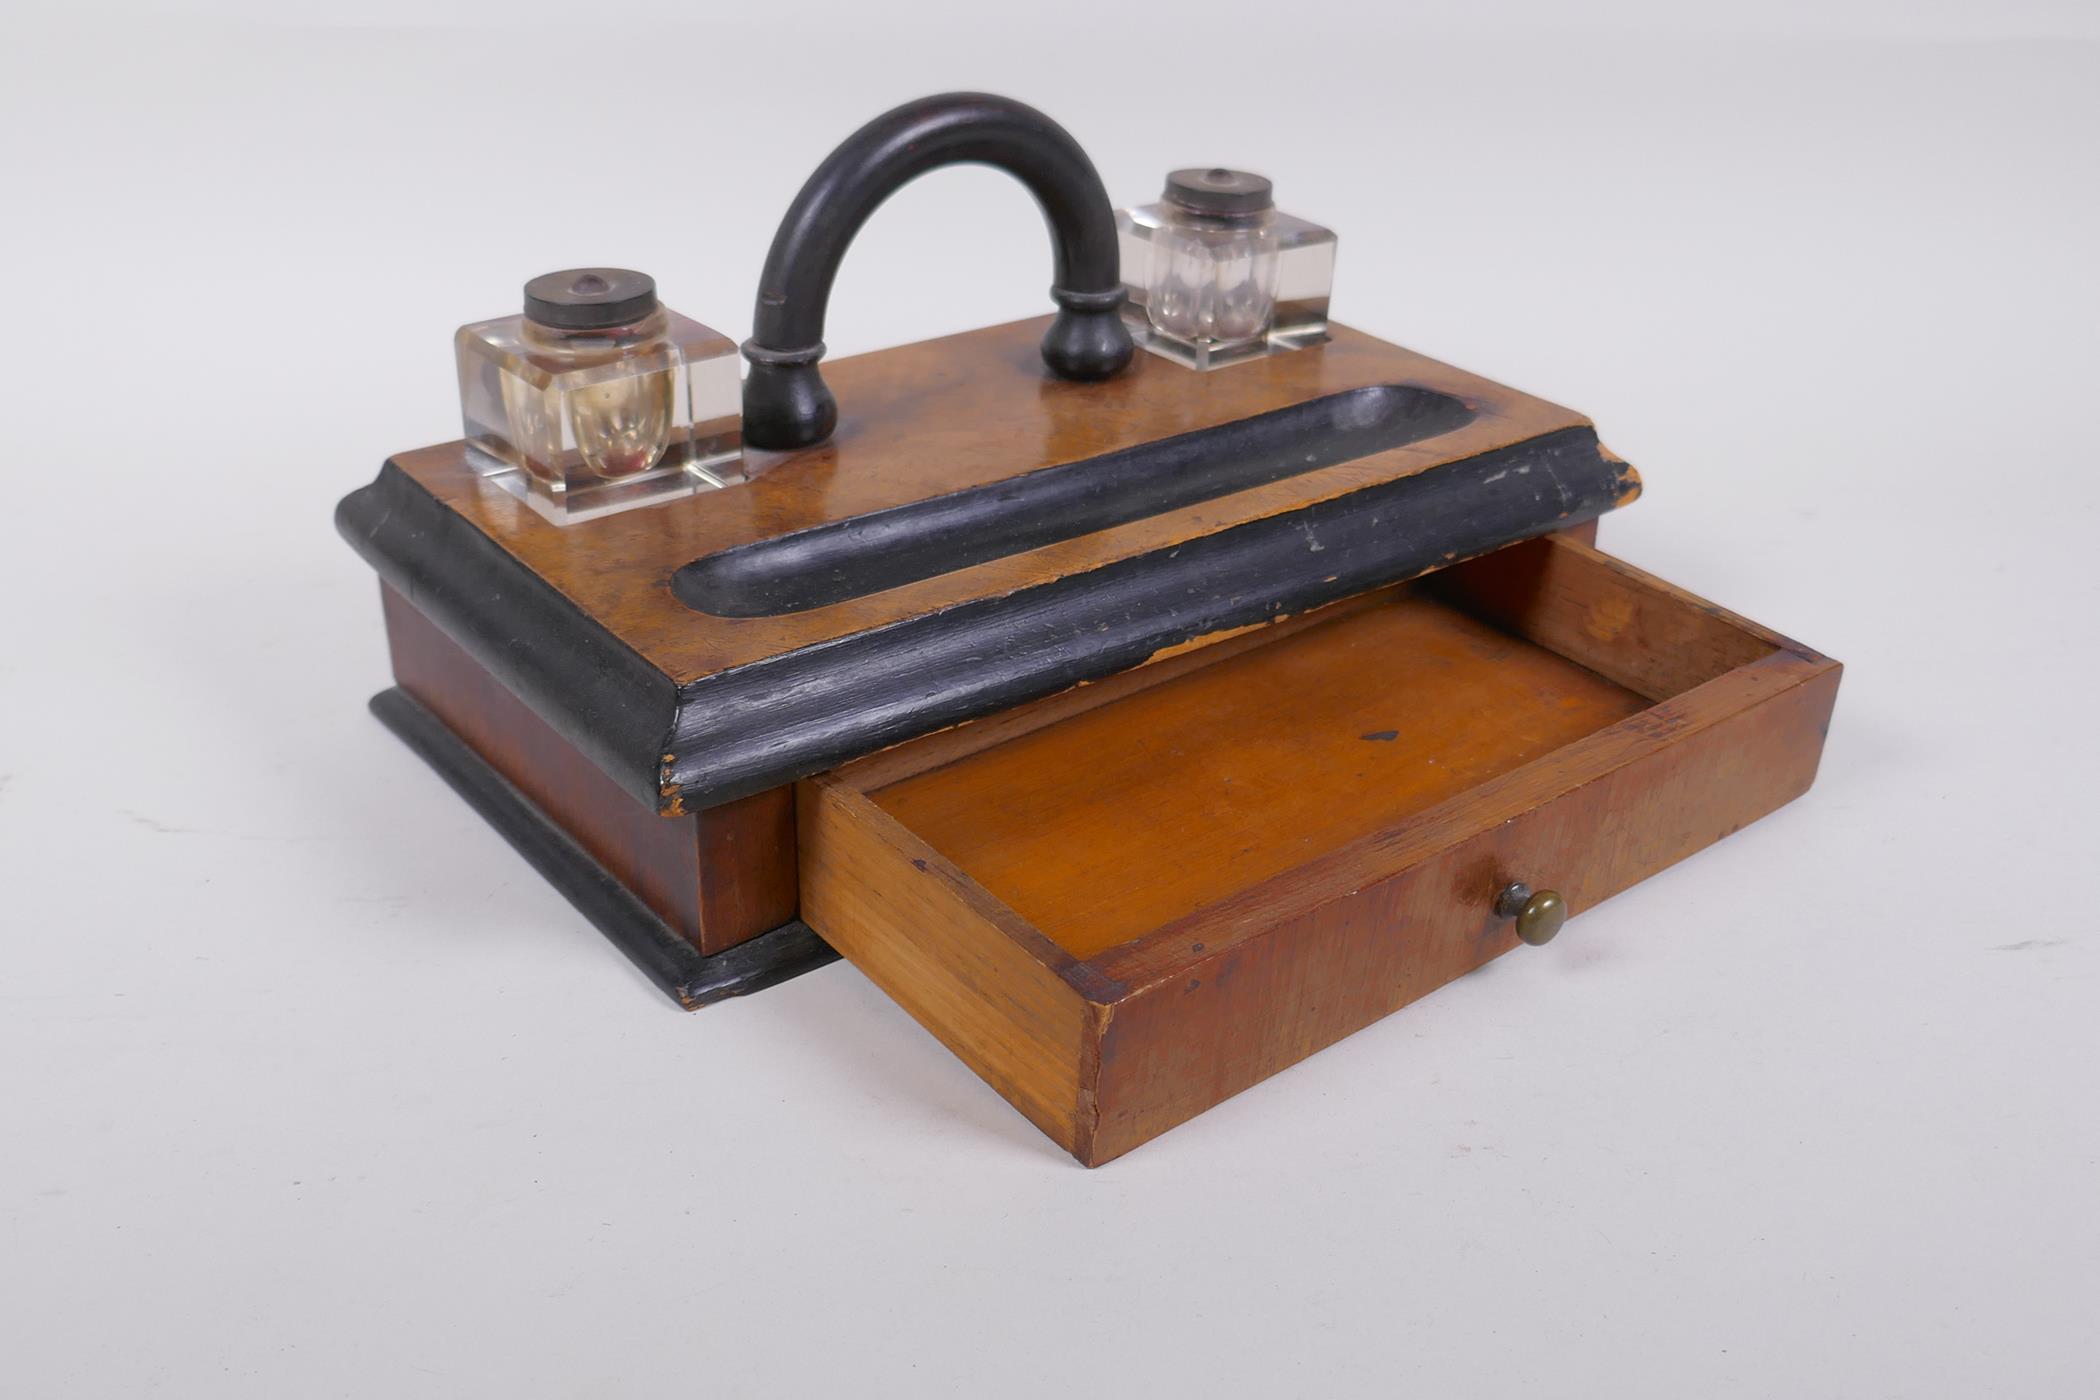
[1144, 697]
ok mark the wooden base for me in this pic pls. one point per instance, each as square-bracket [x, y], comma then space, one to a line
[692, 979]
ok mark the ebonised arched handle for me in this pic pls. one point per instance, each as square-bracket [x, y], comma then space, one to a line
[786, 403]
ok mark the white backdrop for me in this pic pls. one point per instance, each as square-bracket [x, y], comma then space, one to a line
[308, 1086]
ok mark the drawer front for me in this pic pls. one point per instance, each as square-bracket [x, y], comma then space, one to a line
[1236, 993]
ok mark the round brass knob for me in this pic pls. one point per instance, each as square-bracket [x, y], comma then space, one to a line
[1539, 914]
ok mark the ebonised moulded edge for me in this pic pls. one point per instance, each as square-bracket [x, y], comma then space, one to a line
[884, 549]
[595, 690]
[683, 748]
[792, 716]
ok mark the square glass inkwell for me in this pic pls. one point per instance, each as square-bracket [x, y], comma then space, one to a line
[599, 398]
[1215, 273]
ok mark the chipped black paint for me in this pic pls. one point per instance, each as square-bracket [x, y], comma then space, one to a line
[745, 730]
[885, 549]
[787, 717]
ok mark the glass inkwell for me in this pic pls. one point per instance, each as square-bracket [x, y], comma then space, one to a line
[598, 398]
[1215, 273]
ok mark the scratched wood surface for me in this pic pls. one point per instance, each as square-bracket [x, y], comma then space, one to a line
[925, 419]
[1598, 723]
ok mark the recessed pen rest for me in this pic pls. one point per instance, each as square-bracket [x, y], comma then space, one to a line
[885, 549]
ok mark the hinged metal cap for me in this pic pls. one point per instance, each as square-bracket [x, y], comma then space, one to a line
[590, 298]
[1219, 192]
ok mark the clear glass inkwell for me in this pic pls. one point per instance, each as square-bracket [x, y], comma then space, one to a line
[598, 398]
[1216, 273]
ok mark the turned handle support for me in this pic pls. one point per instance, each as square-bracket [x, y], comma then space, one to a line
[786, 403]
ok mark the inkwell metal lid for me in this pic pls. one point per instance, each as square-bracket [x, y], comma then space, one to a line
[1219, 193]
[590, 298]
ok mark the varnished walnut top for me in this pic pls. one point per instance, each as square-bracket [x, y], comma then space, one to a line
[921, 420]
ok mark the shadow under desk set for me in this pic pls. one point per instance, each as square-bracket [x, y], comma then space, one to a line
[1144, 697]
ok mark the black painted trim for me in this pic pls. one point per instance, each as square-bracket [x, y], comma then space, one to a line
[743, 731]
[885, 549]
[595, 690]
[746, 730]
[691, 978]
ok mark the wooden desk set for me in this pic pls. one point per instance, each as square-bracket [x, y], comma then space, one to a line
[1144, 697]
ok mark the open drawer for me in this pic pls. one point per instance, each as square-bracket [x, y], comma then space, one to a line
[1126, 903]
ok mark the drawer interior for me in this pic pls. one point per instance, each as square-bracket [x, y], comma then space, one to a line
[1096, 836]
[1110, 823]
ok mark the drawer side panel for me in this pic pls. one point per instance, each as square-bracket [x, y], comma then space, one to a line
[987, 986]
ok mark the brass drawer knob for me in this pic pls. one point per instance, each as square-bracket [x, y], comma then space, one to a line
[1539, 914]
